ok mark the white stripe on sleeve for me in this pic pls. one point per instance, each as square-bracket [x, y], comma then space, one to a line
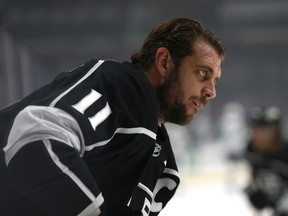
[91, 71]
[137, 130]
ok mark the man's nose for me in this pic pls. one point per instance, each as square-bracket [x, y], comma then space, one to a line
[209, 91]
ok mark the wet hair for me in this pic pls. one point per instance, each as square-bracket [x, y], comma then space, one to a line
[178, 36]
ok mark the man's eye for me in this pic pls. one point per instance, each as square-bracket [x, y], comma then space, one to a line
[203, 73]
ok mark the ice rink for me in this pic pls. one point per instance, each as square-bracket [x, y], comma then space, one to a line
[213, 187]
[211, 191]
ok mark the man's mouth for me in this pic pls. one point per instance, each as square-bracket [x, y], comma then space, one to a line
[196, 103]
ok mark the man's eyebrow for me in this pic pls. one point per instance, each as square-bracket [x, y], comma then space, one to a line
[210, 69]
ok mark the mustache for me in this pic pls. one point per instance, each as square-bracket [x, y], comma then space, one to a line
[200, 99]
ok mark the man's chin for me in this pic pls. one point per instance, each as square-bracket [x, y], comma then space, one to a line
[180, 116]
[188, 120]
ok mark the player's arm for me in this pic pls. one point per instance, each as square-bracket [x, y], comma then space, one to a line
[44, 163]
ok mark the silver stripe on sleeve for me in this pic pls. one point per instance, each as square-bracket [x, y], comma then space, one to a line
[40, 122]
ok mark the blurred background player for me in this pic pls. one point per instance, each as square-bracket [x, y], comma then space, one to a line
[267, 153]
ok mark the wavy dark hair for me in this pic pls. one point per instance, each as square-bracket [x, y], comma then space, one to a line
[178, 36]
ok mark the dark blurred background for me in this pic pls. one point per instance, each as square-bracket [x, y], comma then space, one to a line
[40, 38]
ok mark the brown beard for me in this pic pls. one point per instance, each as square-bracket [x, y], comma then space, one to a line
[170, 96]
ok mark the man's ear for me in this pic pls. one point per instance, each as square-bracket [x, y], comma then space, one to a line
[163, 61]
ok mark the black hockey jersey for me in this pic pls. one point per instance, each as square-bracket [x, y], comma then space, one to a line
[107, 112]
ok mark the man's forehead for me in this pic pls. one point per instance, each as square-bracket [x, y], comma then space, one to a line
[202, 44]
[207, 56]
[204, 48]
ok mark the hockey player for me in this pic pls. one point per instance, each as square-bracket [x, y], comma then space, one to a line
[267, 154]
[93, 141]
